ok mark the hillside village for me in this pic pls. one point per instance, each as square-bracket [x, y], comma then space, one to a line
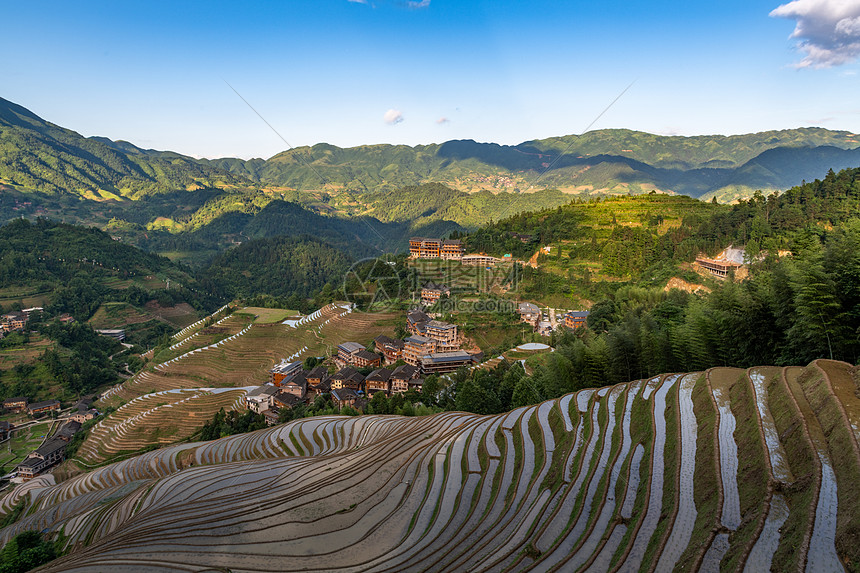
[21, 414]
[354, 373]
[395, 366]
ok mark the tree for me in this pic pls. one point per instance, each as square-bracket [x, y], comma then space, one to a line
[525, 393]
[816, 308]
[430, 390]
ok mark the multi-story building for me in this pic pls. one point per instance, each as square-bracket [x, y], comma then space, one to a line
[442, 362]
[283, 399]
[322, 387]
[117, 333]
[401, 376]
[42, 407]
[378, 381]
[14, 320]
[18, 404]
[417, 346]
[391, 349]
[444, 333]
[297, 385]
[260, 399]
[82, 416]
[576, 319]
[432, 292]
[344, 397]
[718, 267]
[365, 359]
[415, 321]
[529, 313]
[347, 378]
[283, 370]
[423, 248]
[451, 249]
[317, 376]
[479, 260]
[346, 351]
[272, 415]
[50, 453]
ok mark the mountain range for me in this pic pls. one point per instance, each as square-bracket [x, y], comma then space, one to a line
[39, 156]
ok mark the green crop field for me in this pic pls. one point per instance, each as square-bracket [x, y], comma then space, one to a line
[22, 443]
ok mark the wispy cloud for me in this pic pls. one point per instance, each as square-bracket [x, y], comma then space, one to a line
[393, 117]
[409, 4]
[443, 120]
[828, 31]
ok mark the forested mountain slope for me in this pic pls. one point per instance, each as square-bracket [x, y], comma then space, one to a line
[36, 155]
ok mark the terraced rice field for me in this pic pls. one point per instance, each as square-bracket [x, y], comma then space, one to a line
[581, 483]
[155, 419]
[236, 351]
[169, 402]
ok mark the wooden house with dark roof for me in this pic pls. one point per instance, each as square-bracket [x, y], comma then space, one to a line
[355, 382]
[42, 407]
[432, 292]
[297, 385]
[315, 390]
[378, 381]
[391, 349]
[344, 397]
[68, 430]
[285, 399]
[401, 376]
[347, 378]
[17, 404]
[317, 375]
[48, 454]
[415, 321]
[365, 359]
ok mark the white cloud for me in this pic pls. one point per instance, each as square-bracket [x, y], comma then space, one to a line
[358, 1]
[828, 31]
[393, 117]
[417, 4]
[443, 120]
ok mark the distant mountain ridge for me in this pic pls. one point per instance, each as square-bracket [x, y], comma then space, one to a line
[611, 161]
[36, 155]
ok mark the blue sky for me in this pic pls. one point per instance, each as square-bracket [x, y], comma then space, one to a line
[333, 71]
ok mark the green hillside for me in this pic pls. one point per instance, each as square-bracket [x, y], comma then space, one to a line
[36, 155]
[277, 267]
[76, 269]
